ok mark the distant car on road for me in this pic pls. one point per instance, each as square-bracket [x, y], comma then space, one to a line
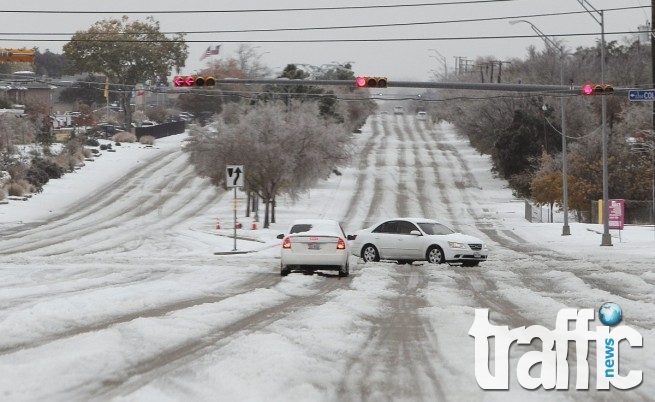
[314, 244]
[398, 110]
[417, 239]
[421, 116]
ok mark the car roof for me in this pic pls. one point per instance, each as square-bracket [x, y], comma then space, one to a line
[409, 219]
[315, 222]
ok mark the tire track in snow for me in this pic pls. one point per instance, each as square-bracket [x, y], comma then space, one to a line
[138, 205]
[145, 370]
[255, 281]
[369, 148]
[397, 362]
[484, 288]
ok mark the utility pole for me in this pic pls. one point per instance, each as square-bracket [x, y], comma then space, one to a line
[652, 69]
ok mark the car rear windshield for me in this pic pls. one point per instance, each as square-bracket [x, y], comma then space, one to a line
[301, 228]
[328, 228]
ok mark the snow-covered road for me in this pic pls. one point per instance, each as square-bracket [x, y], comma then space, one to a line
[115, 284]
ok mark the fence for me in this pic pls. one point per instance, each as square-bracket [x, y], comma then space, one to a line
[636, 212]
[161, 130]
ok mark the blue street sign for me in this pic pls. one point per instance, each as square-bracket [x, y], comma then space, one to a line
[641, 94]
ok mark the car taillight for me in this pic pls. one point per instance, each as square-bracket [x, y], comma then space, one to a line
[341, 245]
[286, 243]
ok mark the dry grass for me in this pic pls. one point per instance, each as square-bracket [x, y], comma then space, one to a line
[18, 188]
[124, 137]
[147, 140]
[69, 161]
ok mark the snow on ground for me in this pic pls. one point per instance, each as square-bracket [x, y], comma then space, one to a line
[47, 298]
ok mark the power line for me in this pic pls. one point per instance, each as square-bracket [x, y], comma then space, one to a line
[389, 25]
[262, 10]
[424, 39]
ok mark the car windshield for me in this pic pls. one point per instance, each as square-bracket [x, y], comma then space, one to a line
[435, 228]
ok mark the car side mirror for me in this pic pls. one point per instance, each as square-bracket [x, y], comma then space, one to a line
[415, 233]
[351, 237]
[280, 236]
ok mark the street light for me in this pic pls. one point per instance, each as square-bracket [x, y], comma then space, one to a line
[599, 17]
[566, 230]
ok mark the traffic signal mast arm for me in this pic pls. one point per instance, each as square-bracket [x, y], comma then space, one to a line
[474, 86]
[414, 84]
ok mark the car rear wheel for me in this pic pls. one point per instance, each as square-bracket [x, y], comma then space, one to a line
[344, 271]
[435, 255]
[284, 270]
[370, 253]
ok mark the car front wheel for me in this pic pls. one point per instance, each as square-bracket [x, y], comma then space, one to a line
[370, 253]
[435, 255]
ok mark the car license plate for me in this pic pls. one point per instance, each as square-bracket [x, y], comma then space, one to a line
[476, 255]
[314, 246]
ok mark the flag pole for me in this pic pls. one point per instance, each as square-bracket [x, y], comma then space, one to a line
[107, 96]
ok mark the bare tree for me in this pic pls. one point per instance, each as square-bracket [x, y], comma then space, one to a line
[282, 153]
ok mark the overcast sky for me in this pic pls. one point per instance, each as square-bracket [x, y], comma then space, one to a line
[432, 44]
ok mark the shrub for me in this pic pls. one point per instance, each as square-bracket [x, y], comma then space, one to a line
[87, 153]
[68, 161]
[37, 177]
[147, 140]
[92, 142]
[17, 170]
[118, 144]
[52, 169]
[42, 170]
[16, 189]
[2, 194]
[124, 137]
[104, 147]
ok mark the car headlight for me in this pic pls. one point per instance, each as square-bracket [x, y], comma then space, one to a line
[454, 244]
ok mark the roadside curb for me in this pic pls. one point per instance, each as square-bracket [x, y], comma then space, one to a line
[233, 252]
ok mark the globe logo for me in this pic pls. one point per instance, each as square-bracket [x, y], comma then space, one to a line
[610, 313]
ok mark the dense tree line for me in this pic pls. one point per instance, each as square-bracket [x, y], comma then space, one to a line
[522, 132]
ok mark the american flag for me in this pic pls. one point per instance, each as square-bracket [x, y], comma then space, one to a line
[211, 51]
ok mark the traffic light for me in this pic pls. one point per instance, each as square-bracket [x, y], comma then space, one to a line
[371, 82]
[194, 81]
[597, 89]
[17, 55]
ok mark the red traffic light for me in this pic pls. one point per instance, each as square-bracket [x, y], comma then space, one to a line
[194, 81]
[597, 89]
[371, 82]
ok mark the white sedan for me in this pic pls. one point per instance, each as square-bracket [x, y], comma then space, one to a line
[314, 244]
[417, 239]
